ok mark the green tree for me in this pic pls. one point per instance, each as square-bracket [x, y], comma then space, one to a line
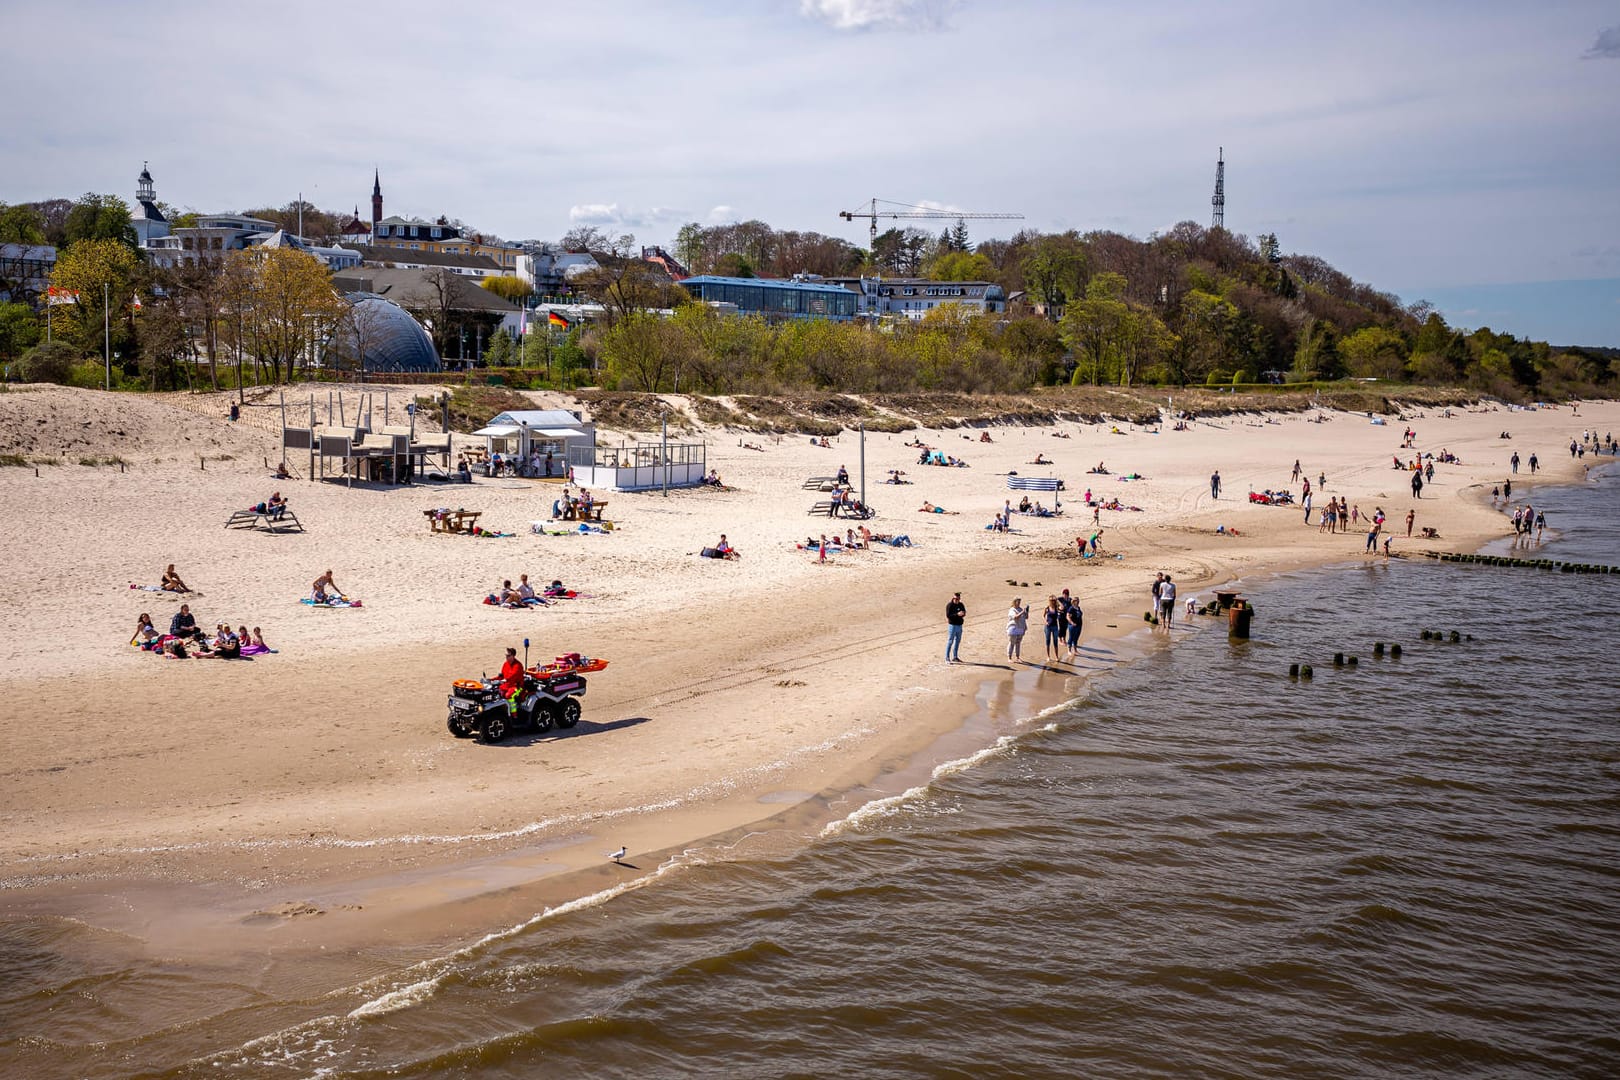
[1055, 272]
[1374, 352]
[19, 330]
[21, 224]
[500, 351]
[959, 236]
[100, 217]
[290, 303]
[1207, 325]
[733, 264]
[102, 274]
[1093, 327]
[1317, 355]
[959, 266]
[514, 289]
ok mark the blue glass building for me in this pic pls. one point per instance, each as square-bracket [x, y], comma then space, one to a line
[774, 298]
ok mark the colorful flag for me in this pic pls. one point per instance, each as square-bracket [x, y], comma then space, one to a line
[56, 295]
[556, 320]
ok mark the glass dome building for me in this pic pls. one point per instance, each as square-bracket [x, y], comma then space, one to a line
[379, 335]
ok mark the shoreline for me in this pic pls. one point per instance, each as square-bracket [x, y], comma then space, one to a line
[260, 893]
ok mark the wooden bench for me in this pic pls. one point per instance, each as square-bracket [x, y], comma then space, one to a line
[452, 521]
[823, 509]
[819, 483]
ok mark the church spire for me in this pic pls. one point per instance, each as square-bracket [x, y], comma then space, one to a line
[376, 200]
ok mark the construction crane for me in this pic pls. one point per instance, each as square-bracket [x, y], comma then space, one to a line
[917, 212]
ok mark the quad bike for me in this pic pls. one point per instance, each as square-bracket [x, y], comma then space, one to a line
[550, 696]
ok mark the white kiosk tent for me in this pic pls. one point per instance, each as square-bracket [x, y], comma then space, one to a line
[523, 433]
[640, 467]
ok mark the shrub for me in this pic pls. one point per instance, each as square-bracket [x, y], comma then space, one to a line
[52, 362]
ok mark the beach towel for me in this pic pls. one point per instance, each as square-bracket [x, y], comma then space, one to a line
[335, 602]
[256, 650]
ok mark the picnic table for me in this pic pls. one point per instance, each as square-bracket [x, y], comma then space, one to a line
[452, 521]
[580, 512]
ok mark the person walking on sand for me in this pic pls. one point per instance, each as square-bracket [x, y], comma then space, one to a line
[1052, 618]
[1297, 471]
[1514, 461]
[1417, 483]
[955, 616]
[1017, 626]
[1215, 484]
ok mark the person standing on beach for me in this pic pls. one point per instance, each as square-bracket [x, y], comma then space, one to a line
[1215, 485]
[1052, 618]
[1017, 626]
[1417, 483]
[1167, 602]
[1297, 471]
[955, 615]
[1533, 464]
[1411, 516]
[1074, 621]
[1514, 461]
[1307, 502]
[1507, 488]
[1372, 539]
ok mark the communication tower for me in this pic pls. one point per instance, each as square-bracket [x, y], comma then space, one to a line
[1218, 218]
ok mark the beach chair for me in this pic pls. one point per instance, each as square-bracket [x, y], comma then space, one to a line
[285, 523]
[243, 519]
[819, 483]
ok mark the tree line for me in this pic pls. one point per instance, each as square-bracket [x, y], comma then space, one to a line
[1189, 305]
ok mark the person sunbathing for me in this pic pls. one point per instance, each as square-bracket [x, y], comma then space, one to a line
[146, 634]
[172, 582]
[1024, 505]
[1041, 459]
[930, 508]
[509, 596]
[984, 436]
[282, 473]
[1100, 470]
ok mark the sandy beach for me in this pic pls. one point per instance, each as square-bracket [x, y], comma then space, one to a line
[313, 797]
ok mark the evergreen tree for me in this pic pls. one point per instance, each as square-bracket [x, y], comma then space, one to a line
[959, 236]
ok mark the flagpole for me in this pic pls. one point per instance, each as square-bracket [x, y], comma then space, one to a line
[106, 330]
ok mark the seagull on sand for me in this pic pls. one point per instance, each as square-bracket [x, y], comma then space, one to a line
[616, 856]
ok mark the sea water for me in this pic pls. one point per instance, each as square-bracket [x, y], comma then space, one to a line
[1202, 867]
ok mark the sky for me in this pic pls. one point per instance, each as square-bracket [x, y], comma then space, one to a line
[1466, 153]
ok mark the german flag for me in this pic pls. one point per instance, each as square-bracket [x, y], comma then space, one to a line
[554, 319]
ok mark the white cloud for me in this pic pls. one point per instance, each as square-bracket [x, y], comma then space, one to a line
[612, 214]
[722, 215]
[1606, 47]
[594, 214]
[881, 14]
